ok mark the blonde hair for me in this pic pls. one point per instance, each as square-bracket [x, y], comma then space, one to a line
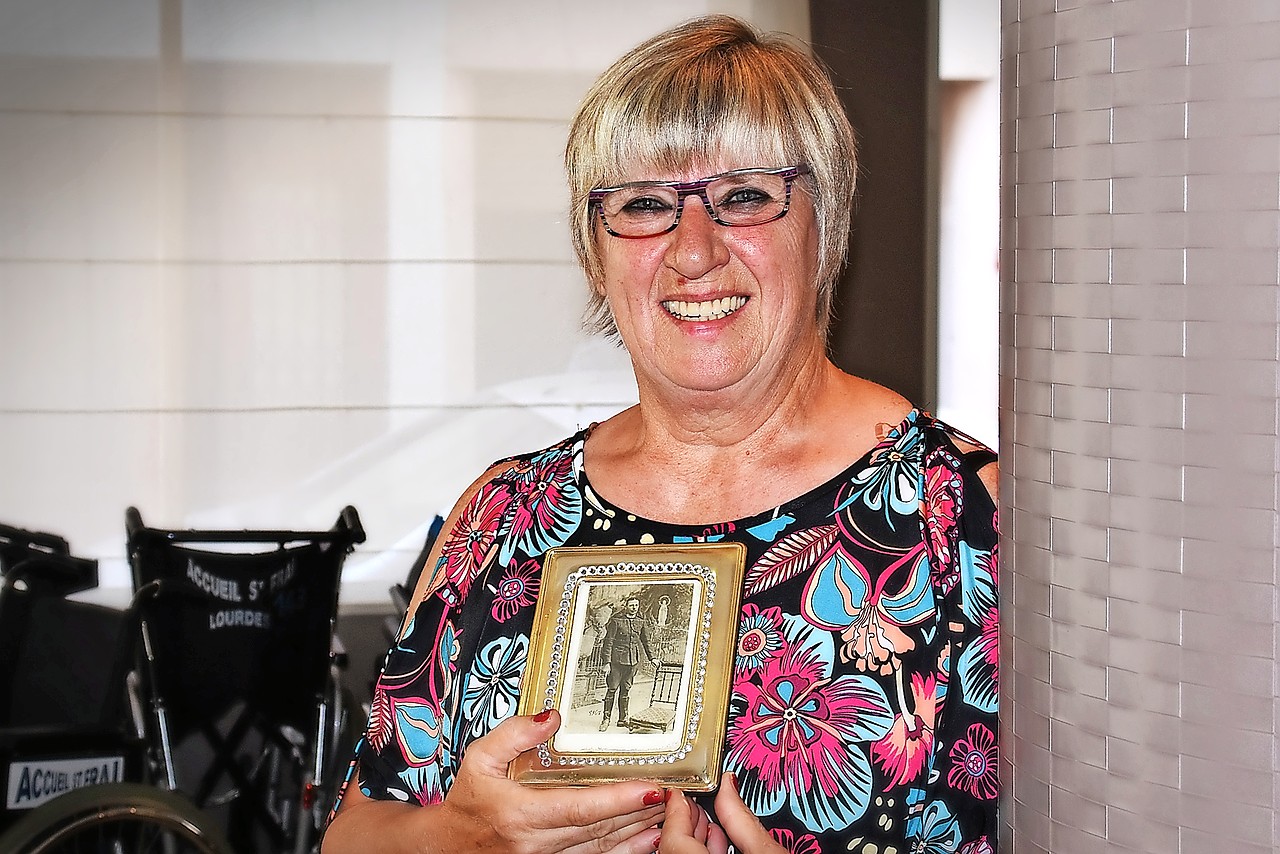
[710, 86]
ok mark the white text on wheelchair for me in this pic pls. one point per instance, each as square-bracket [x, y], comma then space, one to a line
[31, 783]
[229, 590]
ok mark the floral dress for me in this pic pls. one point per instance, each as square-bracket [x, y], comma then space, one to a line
[863, 712]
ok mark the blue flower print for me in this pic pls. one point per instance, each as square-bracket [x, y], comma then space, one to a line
[891, 481]
[493, 687]
[936, 830]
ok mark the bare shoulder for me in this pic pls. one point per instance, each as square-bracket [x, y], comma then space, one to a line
[990, 476]
[879, 407]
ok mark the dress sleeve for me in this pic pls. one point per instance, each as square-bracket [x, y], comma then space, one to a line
[406, 753]
[956, 809]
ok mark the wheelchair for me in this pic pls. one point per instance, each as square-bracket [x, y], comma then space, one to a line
[69, 752]
[235, 690]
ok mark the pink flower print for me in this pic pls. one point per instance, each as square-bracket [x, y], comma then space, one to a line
[938, 511]
[978, 846]
[978, 666]
[792, 844]
[759, 636]
[795, 743]
[973, 766]
[518, 588]
[548, 504]
[466, 551]
[905, 750]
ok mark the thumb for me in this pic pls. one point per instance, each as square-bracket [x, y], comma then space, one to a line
[678, 821]
[494, 750]
[741, 825]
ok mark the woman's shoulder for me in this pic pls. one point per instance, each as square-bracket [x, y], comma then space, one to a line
[567, 447]
[968, 452]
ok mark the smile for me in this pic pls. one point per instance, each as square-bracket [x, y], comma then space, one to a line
[712, 309]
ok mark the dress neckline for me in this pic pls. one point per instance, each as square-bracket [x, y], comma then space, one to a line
[784, 509]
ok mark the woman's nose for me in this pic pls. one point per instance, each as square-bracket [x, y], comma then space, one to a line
[697, 246]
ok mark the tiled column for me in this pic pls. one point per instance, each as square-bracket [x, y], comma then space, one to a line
[1140, 250]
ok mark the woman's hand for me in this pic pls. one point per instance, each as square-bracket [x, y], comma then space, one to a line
[687, 832]
[491, 813]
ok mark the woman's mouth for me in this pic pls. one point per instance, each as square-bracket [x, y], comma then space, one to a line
[712, 309]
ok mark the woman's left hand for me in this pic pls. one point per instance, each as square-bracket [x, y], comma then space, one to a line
[687, 830]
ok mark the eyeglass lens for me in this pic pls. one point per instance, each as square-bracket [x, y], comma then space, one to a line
[643, 210]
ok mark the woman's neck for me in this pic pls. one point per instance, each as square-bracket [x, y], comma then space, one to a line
[704, 458]
[735, 421]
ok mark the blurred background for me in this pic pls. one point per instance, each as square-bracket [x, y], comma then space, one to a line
[259, 260]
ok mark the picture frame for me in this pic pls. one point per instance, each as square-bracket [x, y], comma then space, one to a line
[661, 718]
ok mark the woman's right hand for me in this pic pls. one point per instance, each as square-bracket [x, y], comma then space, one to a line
[484, 811]
[489, 812]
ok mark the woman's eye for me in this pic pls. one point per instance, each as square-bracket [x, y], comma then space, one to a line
[742, 197]
[645, 204]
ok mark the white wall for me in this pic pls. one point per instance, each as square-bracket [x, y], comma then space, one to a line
[969, 216]
[261, 260]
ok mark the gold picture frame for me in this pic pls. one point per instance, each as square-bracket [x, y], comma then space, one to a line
[688, 598]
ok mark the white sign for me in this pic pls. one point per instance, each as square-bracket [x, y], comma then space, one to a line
[32, 782]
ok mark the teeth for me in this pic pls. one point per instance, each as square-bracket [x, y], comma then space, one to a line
[713, 309]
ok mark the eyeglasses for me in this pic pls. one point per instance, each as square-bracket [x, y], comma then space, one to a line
[737, 198]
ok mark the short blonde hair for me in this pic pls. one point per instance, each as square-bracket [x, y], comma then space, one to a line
[710, 86]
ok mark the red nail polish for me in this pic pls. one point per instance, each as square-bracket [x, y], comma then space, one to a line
[652, 799]
[541, 717]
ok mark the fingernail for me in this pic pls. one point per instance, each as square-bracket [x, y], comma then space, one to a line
[652, 799]
[542, 716]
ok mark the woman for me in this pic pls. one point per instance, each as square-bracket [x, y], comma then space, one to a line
[711, 172]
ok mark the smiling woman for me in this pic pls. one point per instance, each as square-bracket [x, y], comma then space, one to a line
[711, 178]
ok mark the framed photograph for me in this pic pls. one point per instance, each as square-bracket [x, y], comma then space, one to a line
[634, 646]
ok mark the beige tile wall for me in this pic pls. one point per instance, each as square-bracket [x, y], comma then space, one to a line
[1140, 326]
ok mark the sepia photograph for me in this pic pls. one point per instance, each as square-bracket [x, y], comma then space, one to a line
[630, 659]
[634, 648]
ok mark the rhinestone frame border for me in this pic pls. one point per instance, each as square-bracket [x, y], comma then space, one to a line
[558, 652]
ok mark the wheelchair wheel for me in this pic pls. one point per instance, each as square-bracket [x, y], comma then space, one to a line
[115, 818]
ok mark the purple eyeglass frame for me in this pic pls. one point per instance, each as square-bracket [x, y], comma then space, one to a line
[698, 188]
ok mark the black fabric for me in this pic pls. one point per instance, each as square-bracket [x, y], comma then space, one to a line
[980, 458]
[232, 628]
[63, 663]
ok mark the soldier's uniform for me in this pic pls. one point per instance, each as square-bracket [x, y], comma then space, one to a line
[628, 643]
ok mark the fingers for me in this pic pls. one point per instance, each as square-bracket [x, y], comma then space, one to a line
[701, 824]
[644, 841]
[717, 842]
[680, 819]
[688, 828]
[598, 818]
[517, 817]
[739, 823]
[493, 751]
